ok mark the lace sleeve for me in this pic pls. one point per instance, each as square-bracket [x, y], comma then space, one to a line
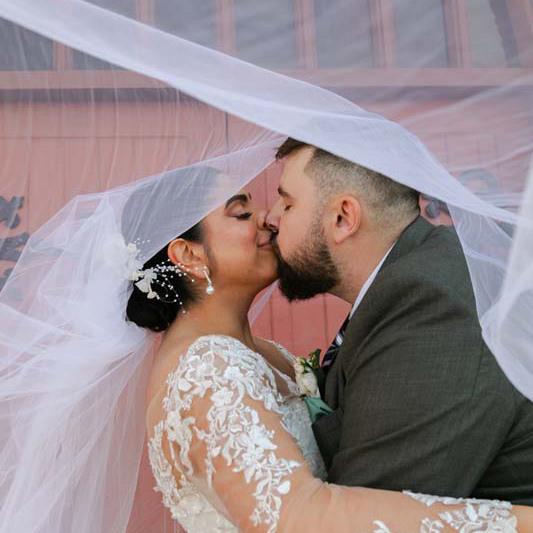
[224, 431]
[227, 455]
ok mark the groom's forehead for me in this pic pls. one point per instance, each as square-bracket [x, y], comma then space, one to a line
[294, 177]
[298, 160]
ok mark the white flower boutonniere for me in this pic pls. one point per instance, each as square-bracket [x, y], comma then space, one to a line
[305, 369]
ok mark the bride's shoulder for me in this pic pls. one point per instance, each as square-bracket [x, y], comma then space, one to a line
[215, 354]
[215, 345]
[219, 350]
[193, 360]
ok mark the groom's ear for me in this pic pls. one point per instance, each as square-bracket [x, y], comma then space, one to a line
[346, 217]
[189, 254]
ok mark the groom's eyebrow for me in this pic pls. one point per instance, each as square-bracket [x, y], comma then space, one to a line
[239, 198]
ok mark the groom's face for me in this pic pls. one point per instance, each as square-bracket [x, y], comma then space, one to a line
[305, 265]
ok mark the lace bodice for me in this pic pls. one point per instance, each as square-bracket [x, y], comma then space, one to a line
[227, 371]
[234, 451]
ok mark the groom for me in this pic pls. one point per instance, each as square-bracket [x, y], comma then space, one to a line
[418, 400]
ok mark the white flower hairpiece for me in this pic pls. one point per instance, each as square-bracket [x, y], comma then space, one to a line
[144, 285]
[135, 273]
[133, 263]
[126, 257]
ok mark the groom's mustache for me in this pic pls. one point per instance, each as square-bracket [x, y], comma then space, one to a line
[277, 252]
[275, 247]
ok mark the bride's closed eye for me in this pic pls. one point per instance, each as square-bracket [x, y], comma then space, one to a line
[243, 216]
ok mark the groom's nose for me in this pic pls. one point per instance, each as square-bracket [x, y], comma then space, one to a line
[272, 217]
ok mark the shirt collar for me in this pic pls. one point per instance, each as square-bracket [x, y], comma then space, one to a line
[369, 281]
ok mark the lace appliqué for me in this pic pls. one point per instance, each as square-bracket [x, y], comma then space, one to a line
[474, 516]
[229, 372]
[186, 504]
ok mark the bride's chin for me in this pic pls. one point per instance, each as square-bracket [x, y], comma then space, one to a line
[267, 281]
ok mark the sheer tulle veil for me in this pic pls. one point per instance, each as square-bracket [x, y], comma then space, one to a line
[73, 371]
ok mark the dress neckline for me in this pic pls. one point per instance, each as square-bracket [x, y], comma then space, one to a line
[286, 378]
[289, 382]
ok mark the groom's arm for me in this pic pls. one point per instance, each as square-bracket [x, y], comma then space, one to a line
[425, 405]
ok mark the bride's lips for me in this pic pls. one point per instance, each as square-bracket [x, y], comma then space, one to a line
[264, 245]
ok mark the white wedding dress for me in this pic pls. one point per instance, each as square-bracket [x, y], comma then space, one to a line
[234, 451]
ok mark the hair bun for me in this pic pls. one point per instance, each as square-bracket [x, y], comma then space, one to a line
[152, 314]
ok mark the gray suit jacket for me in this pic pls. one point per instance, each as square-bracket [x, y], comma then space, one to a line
[419, 401]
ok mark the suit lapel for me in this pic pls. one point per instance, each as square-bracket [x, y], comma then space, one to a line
[333, 382]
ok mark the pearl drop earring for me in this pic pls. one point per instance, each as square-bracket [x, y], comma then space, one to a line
[209, 289]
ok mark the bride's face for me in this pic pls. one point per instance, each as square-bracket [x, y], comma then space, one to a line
[240, 253]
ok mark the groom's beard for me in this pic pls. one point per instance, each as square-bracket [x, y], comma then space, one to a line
[309, 271]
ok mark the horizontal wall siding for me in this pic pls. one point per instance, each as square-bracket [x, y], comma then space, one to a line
[52, 152]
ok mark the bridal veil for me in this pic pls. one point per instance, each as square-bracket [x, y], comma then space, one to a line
[104, 99]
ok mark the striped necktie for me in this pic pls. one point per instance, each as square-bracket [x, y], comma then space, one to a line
[331, 353]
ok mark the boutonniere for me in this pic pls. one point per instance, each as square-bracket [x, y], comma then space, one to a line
[305, 369]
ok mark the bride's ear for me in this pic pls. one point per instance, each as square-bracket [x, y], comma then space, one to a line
[188, 255]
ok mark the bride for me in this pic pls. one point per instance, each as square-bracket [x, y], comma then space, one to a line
[230, 439]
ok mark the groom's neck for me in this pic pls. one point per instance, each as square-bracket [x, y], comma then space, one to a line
[357, 260]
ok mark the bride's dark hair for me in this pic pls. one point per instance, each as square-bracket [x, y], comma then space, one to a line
[157, 314]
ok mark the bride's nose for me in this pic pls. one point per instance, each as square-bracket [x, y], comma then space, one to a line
[261, 220]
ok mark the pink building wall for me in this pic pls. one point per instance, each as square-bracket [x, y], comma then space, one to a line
[52, 152]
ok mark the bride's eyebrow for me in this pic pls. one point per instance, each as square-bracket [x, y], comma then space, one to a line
[283, 193]
[239, 198]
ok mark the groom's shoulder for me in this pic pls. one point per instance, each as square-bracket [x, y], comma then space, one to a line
[429, 263]
[435, 254]
[433, 243]
[423, 294]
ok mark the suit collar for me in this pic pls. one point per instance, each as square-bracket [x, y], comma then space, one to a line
[411, 237]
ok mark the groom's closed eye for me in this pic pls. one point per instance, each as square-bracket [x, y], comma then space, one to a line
[286, 197]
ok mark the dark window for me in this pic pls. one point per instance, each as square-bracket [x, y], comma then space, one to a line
[194, 20]
[265, 32]
[492, 42]
[24, 50]
[420, 34]
[83, 61]
[343, 34]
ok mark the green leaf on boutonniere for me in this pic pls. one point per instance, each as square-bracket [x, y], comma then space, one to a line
[314, 359]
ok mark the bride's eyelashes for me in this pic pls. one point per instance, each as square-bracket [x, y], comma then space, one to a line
[243, 216]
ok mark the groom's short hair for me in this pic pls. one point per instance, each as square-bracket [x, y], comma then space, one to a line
[389, 200]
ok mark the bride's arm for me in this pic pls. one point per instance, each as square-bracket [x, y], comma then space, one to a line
[225, 432]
